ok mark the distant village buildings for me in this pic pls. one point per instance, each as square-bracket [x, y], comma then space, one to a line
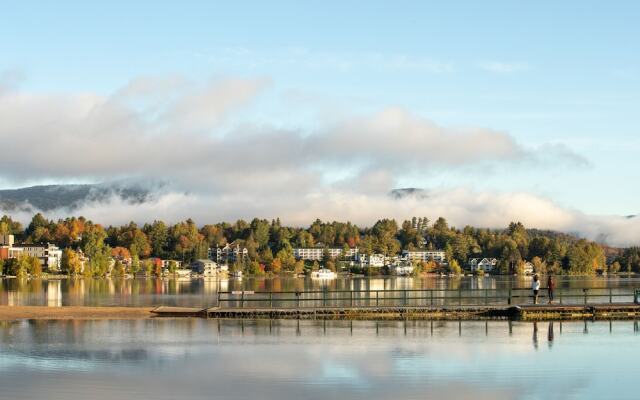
[50, 256]
[221, 257]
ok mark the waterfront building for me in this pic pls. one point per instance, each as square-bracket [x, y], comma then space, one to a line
[228, 254]
[49, 255]
[316, 253]
[483, 264]
[438, 256]
[204, 267]
[7, 252]
[373, 260]
[528, 268]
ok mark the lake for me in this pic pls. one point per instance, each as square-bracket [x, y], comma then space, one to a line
[231, 359]
[203, 292]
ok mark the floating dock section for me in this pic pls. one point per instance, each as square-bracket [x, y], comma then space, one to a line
[523, 312]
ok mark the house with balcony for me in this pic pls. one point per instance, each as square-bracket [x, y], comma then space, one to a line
[228, 254]
[483, 264]
[316, 253]
[439, 256]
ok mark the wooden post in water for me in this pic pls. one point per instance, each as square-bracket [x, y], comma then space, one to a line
[270, 299]
[459, 296]
[610, 296]
[509, 300]
[585, 295]
[242, 300]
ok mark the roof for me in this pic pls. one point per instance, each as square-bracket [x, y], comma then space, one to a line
[204, 261]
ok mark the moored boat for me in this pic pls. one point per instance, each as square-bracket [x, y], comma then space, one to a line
[323, 273]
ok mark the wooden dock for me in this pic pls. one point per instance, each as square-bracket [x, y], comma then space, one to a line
[455, 313]
[164, 311]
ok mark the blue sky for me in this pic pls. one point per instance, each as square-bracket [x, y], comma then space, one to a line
[560, 75]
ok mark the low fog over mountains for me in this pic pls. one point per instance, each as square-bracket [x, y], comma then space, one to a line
[71, 197]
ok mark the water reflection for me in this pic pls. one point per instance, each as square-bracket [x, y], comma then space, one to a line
[198, 359]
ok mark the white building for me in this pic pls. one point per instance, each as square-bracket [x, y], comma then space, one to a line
[48, 254]
[316, 253]
[204, 267]
[483, 264]
[438, 256]
[528, 268]
[7, 240]
[227, 254]
[373, 260]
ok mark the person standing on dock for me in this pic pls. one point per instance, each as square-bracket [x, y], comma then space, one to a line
[551, 287]
[536, 287]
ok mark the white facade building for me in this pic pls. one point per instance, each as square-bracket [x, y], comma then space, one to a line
[227, 254]
[316, 253]
[438, 256]
[205, 267]
[483, 264]
[48, 254]
[374, 260]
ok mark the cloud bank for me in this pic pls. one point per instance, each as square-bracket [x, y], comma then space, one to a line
[181, 133]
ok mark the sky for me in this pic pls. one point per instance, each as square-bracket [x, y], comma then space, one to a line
[499, 110]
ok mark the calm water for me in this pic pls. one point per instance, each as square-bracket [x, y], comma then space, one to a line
[203, 292]
[208, 359]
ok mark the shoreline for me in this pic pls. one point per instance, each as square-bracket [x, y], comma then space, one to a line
[9, 313]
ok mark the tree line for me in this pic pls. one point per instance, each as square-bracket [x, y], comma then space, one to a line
[270, 243]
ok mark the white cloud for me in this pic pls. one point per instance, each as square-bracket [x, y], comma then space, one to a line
[174, 131]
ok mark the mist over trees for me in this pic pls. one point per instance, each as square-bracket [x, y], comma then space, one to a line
[270, 243]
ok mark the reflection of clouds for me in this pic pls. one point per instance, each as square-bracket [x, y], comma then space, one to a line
[187, 358]
[10, 362]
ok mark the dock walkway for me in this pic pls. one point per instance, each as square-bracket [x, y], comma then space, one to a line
[521, 312]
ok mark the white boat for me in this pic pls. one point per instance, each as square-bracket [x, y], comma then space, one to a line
[183, 273]
[323, 273]
[236, 274]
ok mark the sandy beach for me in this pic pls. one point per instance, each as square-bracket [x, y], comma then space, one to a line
[74, 312]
